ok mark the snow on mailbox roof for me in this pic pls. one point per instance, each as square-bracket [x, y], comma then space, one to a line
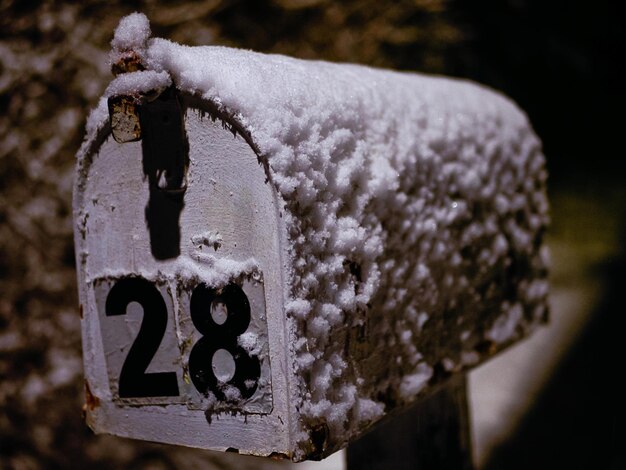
[402, 192]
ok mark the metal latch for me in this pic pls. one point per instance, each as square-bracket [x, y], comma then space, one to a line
[156, 119]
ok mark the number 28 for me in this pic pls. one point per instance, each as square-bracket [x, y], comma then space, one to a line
[218, 333]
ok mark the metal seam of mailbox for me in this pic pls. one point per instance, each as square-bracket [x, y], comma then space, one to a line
[409, 226]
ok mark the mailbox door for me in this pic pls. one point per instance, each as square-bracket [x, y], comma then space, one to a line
[181, 291]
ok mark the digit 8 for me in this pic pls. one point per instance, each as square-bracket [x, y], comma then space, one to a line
[216, 336]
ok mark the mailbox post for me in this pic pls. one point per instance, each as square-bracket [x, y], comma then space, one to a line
[275, 254]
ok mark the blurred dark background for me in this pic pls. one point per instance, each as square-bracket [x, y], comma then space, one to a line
[562, 61]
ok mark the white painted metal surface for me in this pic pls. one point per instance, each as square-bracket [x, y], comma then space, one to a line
[229, 251]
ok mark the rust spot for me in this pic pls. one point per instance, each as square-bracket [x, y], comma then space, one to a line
[124, 118]
[279, 456]
[80, 311]
[129, 62]
[319, 440]
[91, 401]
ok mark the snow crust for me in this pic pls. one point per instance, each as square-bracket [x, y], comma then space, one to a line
[131, 33]
[138, 82]
[414, 208]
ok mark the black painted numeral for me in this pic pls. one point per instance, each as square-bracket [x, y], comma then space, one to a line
[222, 335]
[134, 381]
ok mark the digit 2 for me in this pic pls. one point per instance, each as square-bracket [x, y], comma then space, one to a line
[221, 336]
[134, 381]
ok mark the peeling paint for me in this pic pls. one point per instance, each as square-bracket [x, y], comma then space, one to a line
[91, 401]
[280, 456]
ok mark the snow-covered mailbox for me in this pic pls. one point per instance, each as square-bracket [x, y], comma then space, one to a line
[273, 254]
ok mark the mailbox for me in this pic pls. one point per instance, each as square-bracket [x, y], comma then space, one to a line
[273, 254]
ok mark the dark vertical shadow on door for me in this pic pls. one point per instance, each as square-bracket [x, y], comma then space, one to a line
[165, 161]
